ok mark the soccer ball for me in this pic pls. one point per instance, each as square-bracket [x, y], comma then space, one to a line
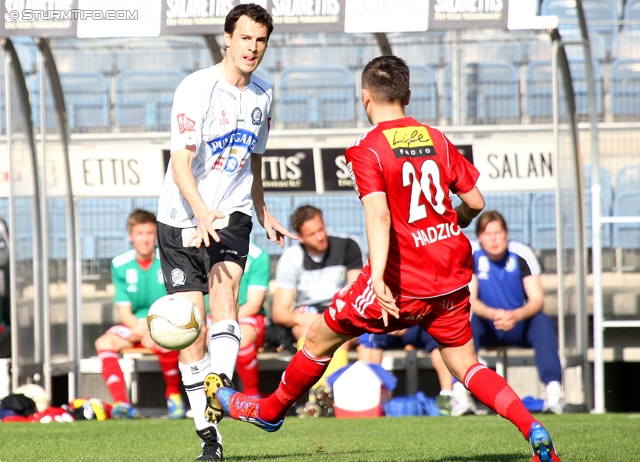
[174, 322]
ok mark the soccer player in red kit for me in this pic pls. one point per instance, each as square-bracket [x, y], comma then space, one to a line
[419, 264]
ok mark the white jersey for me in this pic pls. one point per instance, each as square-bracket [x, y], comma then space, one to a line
[226, 125]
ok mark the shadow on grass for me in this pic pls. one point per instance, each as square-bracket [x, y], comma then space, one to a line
[506, 457]
[298, 456]
[357, 455]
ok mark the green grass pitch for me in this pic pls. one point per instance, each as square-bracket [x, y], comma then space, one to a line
[578, 437]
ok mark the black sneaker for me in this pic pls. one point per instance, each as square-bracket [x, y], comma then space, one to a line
[212, 383]
[212, 450]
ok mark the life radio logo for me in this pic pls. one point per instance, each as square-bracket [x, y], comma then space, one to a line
[185, 124]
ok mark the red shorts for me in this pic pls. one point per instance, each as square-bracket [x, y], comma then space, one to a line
[355, 311]
[256, 321]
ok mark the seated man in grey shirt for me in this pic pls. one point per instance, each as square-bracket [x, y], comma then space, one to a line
[308, 275]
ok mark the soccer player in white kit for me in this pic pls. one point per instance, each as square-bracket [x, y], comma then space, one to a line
[219, 123]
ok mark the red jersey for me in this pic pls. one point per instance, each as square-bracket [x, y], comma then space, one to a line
[417, 167]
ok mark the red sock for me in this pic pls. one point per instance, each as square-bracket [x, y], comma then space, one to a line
[495, 392]
[247, 369]
[303, 371]
[113, 377]
[168, 361]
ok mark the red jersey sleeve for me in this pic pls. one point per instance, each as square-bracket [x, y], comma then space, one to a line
[464, 175]
[365, 170]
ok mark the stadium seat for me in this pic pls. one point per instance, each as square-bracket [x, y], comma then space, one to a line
[626, 204]
[625, 88]
[349, 57]
[423, 104]
[543, 221]
[492, 92]
[182, 60]
[487, 51]
[144, 99]
[514, 207]
[419, 54]
[627, 44]
[498, 92]
[102, 224]
[539, 94]
[86, 96]
[69, 60]
[632, 14]
[604, 13]
[628, 178]
[316, 97]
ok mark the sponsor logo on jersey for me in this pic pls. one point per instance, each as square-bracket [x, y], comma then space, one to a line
[131, 276]
[353, 178]
[178, 278]
[436, 233]
[238, 138]
[511, 265]
[231, 165]
[256, 116]
[185, 124]
[223, 118]
[410, 141]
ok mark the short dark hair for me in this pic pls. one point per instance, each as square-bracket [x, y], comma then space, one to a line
[302, 214]
[255, 12]
[138, 217]
[488, 217]
[387, 79]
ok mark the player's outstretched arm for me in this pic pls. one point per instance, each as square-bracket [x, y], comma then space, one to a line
[275, 231]
[472, 204]
[181, 169]
[378, 223]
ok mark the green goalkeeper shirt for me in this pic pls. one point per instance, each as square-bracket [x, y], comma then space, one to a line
[256, 273]
[135, 286]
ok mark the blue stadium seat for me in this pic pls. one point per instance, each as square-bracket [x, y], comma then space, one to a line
[543, 221]
[349, 57]
[514, 207]
[579, 78]
[102, 223]
[539, 95]
[595, 11]
[628, 178]
[419, 54]
[157, 59]
[86, 96]
[627, 44]
[625, 88]
[492, 92]
[498, 92]
[316, 97]
[423, 105]
[98, 60]
[507, 49]
[144, 99]
[632, 13]
[625, 204]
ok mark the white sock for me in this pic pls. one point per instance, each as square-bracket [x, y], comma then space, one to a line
[224, 344]
[446, 392]
[554, 388]
[193, 376]
[459, 389]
